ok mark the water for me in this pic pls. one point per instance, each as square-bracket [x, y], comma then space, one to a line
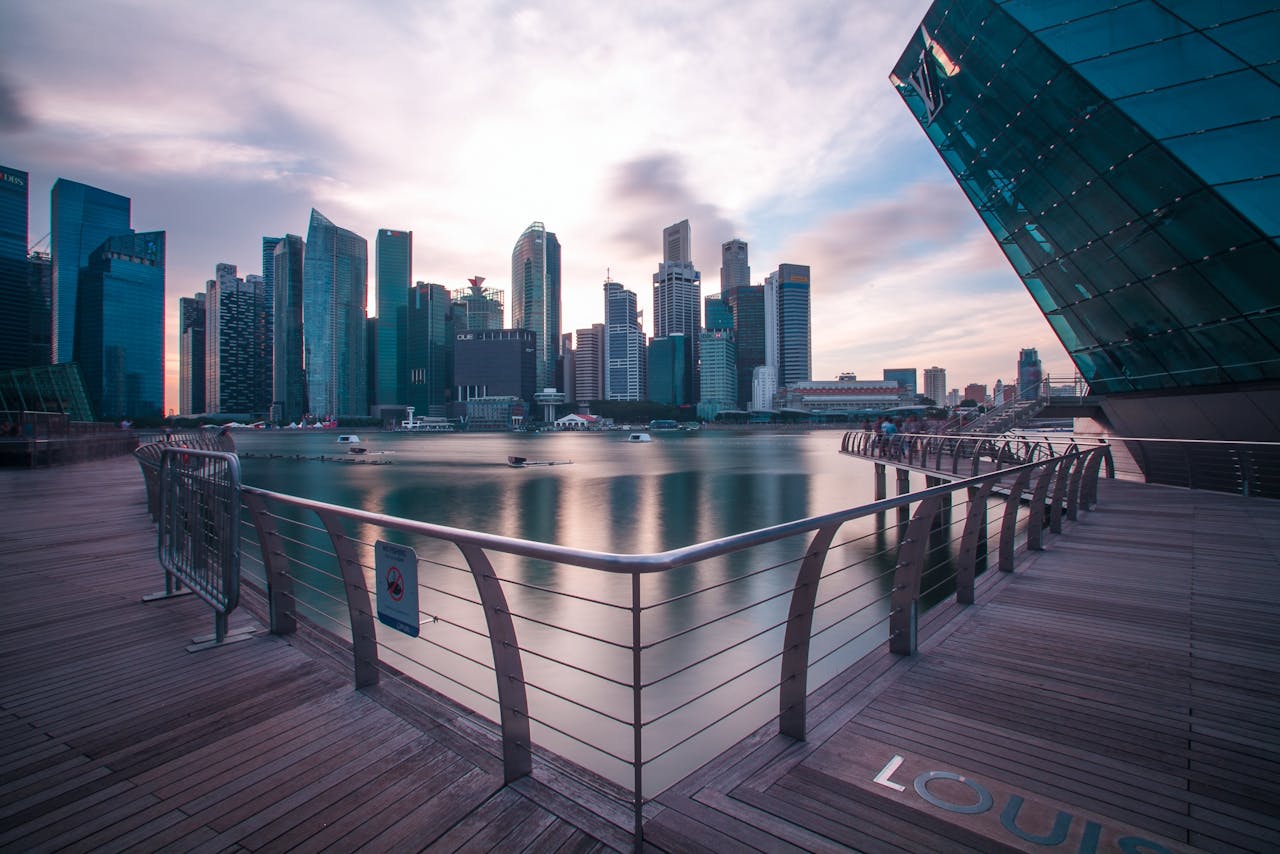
[614, 496]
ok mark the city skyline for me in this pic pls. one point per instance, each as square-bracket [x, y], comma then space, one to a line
[468, 153]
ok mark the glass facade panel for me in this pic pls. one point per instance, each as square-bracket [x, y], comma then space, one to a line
[1252, 356]
[1202, 104]
[1256, 200]
[1189, 298]
[1232, 154]
[1039, 14]
[1126, 27]
[1156, 66]
[1208, 13]
[1252, 39]
[1151, 179]
[1246, 277]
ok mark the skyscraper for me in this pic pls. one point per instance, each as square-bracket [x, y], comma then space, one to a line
[479, 307]
[535, 294]
[906, 380]
[39, 307]
[669, 375]
[15, 296]
[269, 245]
[747, 305]
[335, 275]
[624, 345]
[1124, 156]
[718, 377]
[119, 334]
[588, 363]
[935, 385]
[191, 353]
[82, 218]
[289, 379]
[235, 320]
[787, 324]
[735, 272]
[677, 286]
[1028, 374]
[394, 250]
[428, 349]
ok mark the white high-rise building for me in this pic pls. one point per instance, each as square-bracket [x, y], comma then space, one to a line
[624, 345]
[677, 286]
[935, 385]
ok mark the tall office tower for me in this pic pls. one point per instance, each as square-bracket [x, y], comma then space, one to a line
[119, 334]
[234, 322]
[935, 385]
[394, 252]
[335, 275]
[478, 307]
[624, 346]
[1124, 158]
[718, 377]
[906, 380]
[718, 314]
[535, 294]
[39, 307]
[1029, 374]
[82, 218]
[269, 245]
[677, 286]
[568, 359]
[735, 272]
[191, 352]
[15, 295]
[588, 363]
[288, 375]
[429, 337]
[670, 370]
[793, 325]
[747, 305]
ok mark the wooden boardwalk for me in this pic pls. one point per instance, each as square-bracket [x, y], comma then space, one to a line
[114, 738]
[1121, 684]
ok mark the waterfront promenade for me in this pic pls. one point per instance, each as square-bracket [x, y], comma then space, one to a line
[1126, 678]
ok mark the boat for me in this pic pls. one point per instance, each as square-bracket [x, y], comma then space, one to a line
[521, 462]
[356, 449]
[348, 439]
[639, 437]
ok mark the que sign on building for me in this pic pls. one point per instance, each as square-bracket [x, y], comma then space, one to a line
[396, 569]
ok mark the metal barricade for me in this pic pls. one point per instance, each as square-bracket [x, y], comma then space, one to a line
[199, 529]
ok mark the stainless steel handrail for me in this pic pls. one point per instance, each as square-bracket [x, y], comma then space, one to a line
[1064, 478]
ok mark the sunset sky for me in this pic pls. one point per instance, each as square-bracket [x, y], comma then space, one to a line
[465, 121]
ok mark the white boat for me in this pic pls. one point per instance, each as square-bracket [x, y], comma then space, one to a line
[639, 437]
[348, 439]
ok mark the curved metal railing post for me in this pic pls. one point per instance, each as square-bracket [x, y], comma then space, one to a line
[283, 616]
[364, 639]
[517, 757]
[1089, 488]
[1069, 464]
[1077, 479]
[795, 645]
[975, 530]
[1009, 525]
[904, 600]
[1035, 522]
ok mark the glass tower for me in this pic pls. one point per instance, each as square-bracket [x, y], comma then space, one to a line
[15, 302]
[794, 347]
[335, 274]
[535, 295]
[747, 305]
[394, 250]
[235, 312]
[82, 218]
[1126, 157]
[288, 377]
[191, 352]
[429, 348]
[119, 335]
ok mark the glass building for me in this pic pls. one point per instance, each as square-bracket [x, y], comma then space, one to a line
[677, 286]
[624, 345]
[478, 307]
[335, 275]
[906, 380]
[82, 217]
[429, 333]
[747, 305]
[288, 377]
[394, 252]
[191, 353]
[15, 307]
[535, 294]
[787, 300]
[235, 327]
[1126, 157]
[670, 370]
[119, 335]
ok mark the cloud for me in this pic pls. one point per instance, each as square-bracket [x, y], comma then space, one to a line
[13, 115]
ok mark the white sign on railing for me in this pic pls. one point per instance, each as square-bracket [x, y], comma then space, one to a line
[397, 580]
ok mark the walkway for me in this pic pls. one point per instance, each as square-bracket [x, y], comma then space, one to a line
[1122, 684]
[115, 738]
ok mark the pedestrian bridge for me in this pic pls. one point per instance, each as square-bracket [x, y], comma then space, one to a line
[1112, 684]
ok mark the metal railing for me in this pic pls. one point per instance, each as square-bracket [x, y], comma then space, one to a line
[640, 667]
[199, 528]
[149, 455]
